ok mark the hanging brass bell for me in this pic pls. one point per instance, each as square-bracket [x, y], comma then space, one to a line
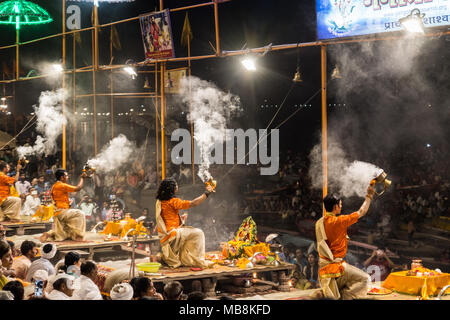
[297, 76]
[146, 84]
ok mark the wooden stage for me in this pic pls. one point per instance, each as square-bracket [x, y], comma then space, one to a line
[217, 271]
[115, 244]
[19, 228]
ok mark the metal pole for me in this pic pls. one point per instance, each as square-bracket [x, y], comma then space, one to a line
[96, 37]
[216, 22]
[94, 96]
[64, 82]
[190, 112]
[74, 93]
[156, 122]
[323, 51]
[111, 86]
[17, 54]
[163, 154]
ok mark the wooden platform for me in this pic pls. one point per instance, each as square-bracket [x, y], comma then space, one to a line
[19, 228]
[217, 271]
[93, 246]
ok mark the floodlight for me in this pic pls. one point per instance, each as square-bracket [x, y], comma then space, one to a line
[249, 64]
[131, 72]
[58, 67]
[413, 22]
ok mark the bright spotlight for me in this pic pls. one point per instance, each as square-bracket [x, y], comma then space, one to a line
[58, 68]
[413, 22]
[3, 105]
[428, 145]
[249, 64]
[131, 72]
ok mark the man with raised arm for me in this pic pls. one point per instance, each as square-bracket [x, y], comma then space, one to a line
[68, 223]
[180, 245]
[9, 206]
[338, 279]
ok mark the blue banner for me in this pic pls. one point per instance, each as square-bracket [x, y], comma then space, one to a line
[347, 18]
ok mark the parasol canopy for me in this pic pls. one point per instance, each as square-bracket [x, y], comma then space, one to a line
[21, 12]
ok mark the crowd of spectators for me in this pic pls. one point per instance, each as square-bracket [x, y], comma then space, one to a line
[23, 276]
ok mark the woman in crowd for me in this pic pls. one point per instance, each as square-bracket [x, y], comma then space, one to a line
[143, 287]
[311, 270]
[6, 263]
[72, 264]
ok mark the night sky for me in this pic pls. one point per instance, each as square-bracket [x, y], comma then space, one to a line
[253, 22]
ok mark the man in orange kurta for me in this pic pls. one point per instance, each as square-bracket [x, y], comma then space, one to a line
[68, 223]
[338, 279]
[180, 245]
[9, 206]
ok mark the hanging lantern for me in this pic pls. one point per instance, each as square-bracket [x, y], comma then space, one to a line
[21, 12]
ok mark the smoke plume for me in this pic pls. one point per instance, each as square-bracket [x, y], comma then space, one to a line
[113, 155]
[211, 108]
[50, 122]
[345, 177]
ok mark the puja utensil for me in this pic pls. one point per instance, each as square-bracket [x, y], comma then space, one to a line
[253, 258]
[23, 162]
[275, 249]
[211, 182]
[88, 170]
[381, 179]
[94, 229]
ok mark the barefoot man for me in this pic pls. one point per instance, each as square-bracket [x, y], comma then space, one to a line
[68, 223]
[9, 206]
[338, 279]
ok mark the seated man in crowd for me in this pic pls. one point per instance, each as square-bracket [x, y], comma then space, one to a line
[68, 223]
[379, 266]
[89, 208]
[31, 204]
[9, 206]
[22, 186]
[22, 263]
[63, 287]
[86, 288]
[16, 288]
[173, 291]
[48, 251]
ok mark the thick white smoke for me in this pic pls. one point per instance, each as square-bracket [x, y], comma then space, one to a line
[210, 110]
[113, 155]
[50, 122]
[345, 178]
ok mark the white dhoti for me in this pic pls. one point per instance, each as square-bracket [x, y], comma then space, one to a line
[183, 246]
[68, 224]
[10, 208]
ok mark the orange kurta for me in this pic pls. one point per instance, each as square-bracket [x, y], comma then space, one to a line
[169, 212]
[5, 182]
[336, 230]
[60, 194]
